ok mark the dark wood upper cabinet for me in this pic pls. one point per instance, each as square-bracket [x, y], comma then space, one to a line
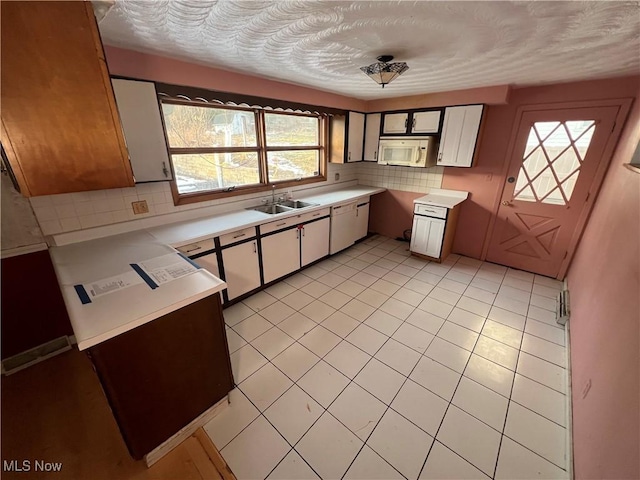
[60, 125]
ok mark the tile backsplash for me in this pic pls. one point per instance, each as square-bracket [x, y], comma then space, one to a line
[79, 211]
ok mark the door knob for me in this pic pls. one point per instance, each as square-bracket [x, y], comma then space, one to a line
[506, 203]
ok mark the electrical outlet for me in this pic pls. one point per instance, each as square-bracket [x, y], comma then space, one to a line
[140, 207]
[337, 176]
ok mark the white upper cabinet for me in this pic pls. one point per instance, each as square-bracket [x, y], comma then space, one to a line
[426, 122]
[355, 136]
[372, 137]
[395, 123]
[140, 116]
[411, 123]
[459, 135]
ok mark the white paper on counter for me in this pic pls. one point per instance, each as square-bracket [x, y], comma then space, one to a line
[167, 268]
[105, 286]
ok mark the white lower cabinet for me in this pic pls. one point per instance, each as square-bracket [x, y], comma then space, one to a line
[362, 221]
[427, 236]
[280, 254]
[241, 268]
[314, 241]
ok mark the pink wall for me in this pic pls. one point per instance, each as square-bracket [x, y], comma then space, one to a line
[604, 282]
[497, 95]
[484, 181]
[391, 212]
[128, 63]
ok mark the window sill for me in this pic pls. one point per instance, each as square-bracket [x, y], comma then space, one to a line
[186, 199]
[633, 167]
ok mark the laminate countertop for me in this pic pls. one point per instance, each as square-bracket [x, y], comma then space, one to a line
[441, 197]
[111, 314]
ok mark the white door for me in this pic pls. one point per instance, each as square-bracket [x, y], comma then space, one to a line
[142, 126]
[315, 241]
[280, 254]
[427, 235]
[362, 221]
[395, 123]
[372, 137]
[459, 135]
[241, 268]
[209, 262]
[355, 137]
[425, 122]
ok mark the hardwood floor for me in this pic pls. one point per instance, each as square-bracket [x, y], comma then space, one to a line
[56, 412]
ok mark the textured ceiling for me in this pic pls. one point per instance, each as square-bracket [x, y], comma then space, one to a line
[448, 45]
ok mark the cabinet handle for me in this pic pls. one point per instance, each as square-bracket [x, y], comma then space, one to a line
[315, 215]
[375, 155]
[238, 236]
[357, 212]
[349, 157]
[303, 230]
[440, 157]
[190, 249]
[254, 248]
[280, 224]
[297, 233]
[405, 122]
[164, 169]
[413, 125]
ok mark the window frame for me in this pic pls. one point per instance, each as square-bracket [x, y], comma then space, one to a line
[262, 150]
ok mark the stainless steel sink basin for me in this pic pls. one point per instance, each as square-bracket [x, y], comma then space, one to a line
[271, 209]
[296, 204]
[282, 207]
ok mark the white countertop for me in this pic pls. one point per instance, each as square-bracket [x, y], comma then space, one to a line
[116, 313]
[443, 198]
[190, 231]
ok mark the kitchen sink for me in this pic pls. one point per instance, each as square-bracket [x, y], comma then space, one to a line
[282, 207]
[296, 204]
[271, 209]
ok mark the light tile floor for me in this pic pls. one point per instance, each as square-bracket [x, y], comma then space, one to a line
[376, 364]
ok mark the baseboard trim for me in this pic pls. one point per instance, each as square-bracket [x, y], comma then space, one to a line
[214, 455]
[161, 450]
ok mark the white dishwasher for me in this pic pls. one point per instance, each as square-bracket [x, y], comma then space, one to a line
[343, 227]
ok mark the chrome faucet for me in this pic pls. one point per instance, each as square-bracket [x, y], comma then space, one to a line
[273, 195]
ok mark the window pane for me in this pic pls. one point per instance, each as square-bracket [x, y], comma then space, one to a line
[192, 127]
[285, 130]
[203, 172]
[289, 165]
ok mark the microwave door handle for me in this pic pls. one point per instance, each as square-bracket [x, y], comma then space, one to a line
[423, 153]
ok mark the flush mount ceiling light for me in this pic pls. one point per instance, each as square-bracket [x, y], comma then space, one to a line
[383, 72]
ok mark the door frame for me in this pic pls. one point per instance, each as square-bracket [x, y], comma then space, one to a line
[624, 106]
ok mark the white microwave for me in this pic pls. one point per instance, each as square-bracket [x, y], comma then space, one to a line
[408, 151]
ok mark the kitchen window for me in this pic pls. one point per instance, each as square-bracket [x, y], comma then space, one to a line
[219, 151]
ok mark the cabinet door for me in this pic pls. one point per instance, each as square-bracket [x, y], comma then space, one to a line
[372, 137]
[427, 235]
[395, 123]
[362, 221]
[60, 124]
[355, 137]
[280, 254]
[315, 240]
[138, 107]
[241, 268]
[425, 122]
[459, 135]
[210, 263]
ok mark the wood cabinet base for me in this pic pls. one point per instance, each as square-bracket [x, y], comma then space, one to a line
[161, 376]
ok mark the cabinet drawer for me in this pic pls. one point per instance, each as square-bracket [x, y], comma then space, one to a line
[307, 217]
[430, 210]
[198, 247]
[237, 236]
[279, 224]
